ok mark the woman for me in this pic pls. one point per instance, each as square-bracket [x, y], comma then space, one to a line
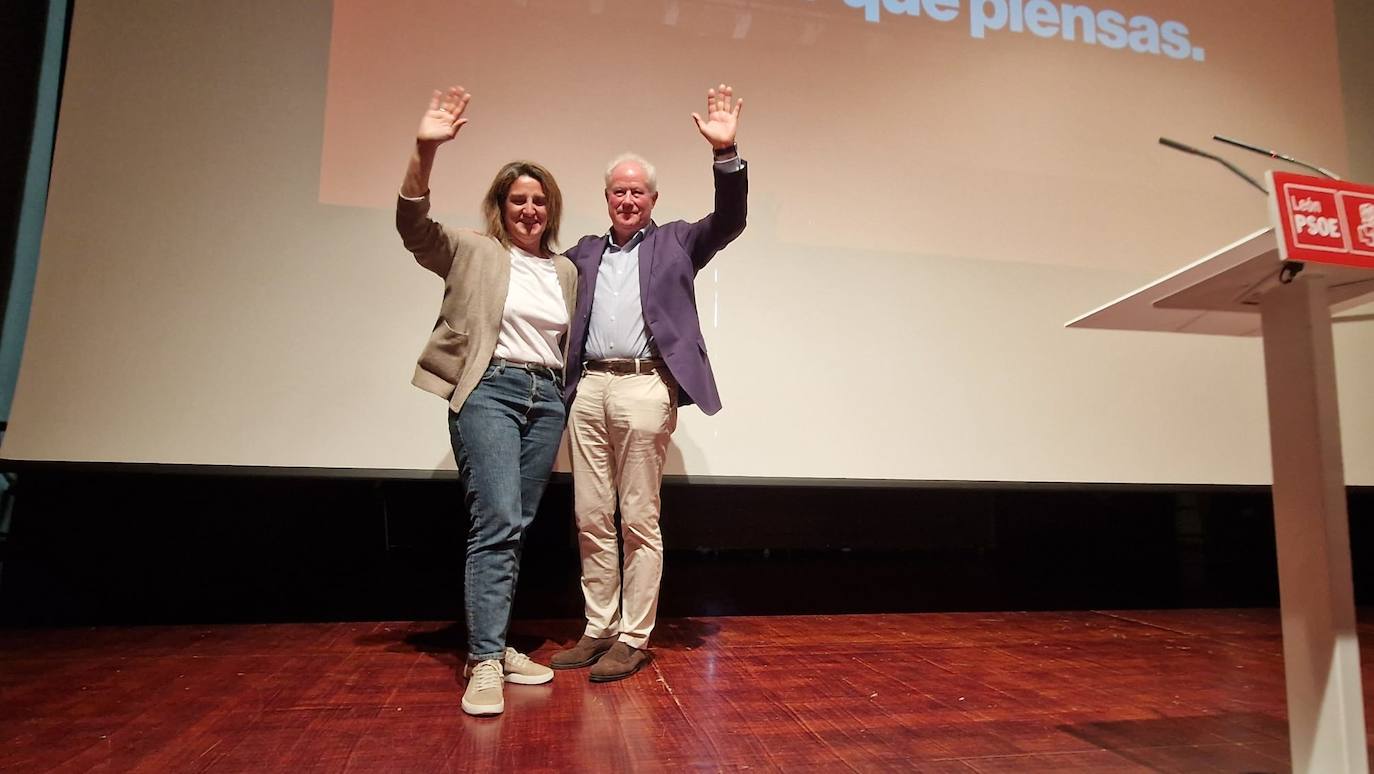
[496, 354]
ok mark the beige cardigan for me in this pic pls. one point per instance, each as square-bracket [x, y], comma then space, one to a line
[476, 273]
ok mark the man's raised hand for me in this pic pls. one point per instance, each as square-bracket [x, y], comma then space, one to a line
[722, 117]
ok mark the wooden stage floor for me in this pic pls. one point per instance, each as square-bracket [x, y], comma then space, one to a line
[1184, 691]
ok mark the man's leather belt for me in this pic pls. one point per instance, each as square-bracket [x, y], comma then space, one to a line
[626, 365]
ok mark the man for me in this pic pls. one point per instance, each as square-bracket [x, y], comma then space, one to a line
[635, 354]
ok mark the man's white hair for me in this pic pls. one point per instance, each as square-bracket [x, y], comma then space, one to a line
[650, 174]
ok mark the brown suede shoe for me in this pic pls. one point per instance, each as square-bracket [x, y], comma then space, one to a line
[584, 653]
[621, 662]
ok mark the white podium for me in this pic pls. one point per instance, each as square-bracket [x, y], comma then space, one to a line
[1244, 289]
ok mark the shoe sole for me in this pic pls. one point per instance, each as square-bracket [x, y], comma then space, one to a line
[516, 679]
[621, 676]
[481, 710]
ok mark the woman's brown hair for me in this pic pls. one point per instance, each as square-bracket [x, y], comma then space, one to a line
[493, 205]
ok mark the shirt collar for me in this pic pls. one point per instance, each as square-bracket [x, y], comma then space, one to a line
[630, 243]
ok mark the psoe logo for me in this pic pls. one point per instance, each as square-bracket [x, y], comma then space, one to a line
[1365, 231]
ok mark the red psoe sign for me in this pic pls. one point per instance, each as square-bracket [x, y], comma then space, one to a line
[1322, 221]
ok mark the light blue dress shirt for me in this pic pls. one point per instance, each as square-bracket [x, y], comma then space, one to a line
[617, 326]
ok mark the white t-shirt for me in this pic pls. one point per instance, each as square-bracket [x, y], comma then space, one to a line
[535, 315]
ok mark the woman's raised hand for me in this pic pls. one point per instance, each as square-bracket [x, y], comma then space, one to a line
[444, 117]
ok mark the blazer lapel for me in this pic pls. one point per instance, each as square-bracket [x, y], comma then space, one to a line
[646, 262]
[588, 277]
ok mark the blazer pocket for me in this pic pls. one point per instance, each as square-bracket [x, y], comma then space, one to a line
[446, 352]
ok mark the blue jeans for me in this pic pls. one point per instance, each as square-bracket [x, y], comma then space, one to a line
[505, 438]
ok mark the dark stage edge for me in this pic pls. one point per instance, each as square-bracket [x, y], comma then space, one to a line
[101, 545]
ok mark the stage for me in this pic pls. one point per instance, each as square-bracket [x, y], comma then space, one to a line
[1176, 691]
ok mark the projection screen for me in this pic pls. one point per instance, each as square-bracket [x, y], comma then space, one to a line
[936, 187]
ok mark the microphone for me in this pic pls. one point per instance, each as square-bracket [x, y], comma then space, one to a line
[1178, 146]
[1276, 155]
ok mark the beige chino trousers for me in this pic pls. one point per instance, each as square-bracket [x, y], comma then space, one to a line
[619, 427]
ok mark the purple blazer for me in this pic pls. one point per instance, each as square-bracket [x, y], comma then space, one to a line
[669, 258]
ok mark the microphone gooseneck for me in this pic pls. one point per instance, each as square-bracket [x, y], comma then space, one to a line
[1178, 146]
[1273, 154]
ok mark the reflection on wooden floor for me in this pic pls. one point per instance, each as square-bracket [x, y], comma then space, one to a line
[1185, 691]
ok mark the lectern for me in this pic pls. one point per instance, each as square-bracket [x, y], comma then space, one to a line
[1283, 283]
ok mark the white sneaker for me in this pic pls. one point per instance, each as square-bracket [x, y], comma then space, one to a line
[522, 671]
[483, 694]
